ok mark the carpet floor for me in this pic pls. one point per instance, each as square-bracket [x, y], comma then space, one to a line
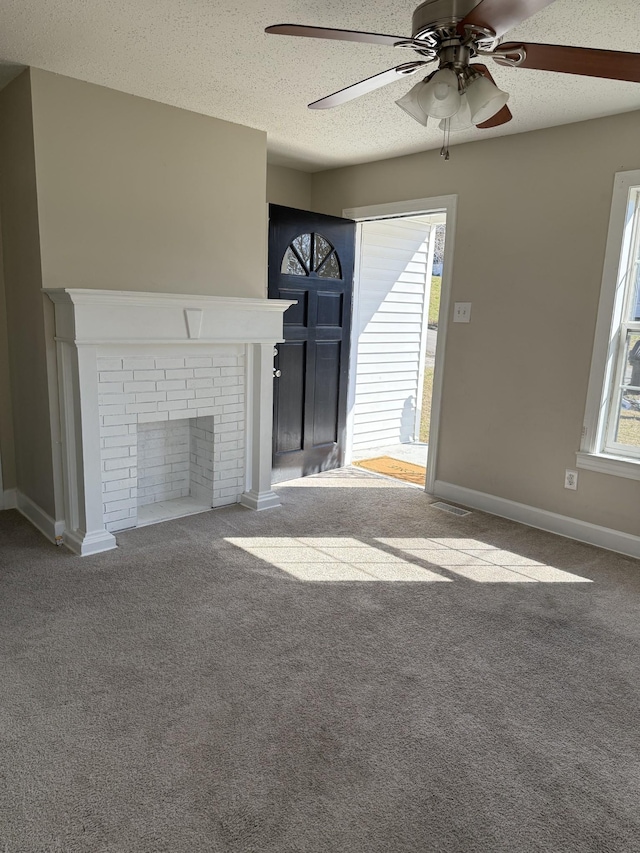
[355, 672]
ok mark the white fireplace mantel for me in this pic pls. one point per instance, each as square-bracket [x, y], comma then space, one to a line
[97, 317]
[94, 325]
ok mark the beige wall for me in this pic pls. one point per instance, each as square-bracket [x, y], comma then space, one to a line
[7, 451]
[533, 213]
[133, 194]
[24, 300]
[288, 187]
[105, 190]
[137, 195]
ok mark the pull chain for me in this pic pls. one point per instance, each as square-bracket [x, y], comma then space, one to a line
[444, 151]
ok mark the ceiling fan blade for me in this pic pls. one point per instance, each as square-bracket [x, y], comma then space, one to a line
[504, 115]
[338, 35]
[502, 15]
[366, 86]
[610, 64]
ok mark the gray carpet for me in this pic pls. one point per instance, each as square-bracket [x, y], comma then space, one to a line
[185, 693]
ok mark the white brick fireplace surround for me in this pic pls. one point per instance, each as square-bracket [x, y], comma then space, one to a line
[166, 407]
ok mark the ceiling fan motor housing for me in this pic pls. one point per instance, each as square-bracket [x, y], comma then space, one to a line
[434, 16]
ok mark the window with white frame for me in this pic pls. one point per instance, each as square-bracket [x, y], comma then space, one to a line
[611, 435]
[622, 434]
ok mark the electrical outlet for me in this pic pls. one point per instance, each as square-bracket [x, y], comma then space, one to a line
[570, 479]
[462, 312]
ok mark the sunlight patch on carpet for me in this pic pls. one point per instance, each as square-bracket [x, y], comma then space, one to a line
[479, 561]
[331, 559]
[341, 478]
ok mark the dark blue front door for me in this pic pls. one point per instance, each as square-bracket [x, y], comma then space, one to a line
[311, 260]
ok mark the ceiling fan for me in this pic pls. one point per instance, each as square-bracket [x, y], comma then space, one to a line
[461, 93]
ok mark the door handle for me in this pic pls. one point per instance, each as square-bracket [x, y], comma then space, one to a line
[277, 373]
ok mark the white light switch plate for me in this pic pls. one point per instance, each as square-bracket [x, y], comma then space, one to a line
[462, 312]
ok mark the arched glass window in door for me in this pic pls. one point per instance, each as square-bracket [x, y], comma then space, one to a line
[311, 253]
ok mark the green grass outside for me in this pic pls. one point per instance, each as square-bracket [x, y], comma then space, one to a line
[629, 427]
[427, 393]
[427, 387]
[434, 300]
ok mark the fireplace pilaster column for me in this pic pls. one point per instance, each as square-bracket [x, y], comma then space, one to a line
[259, 494]
[85, 532]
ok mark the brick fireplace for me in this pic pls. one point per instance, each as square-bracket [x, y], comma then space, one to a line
[166, 407]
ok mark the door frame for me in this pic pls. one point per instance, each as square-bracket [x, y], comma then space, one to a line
[414, 207]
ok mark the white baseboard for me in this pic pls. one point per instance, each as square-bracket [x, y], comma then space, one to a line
[53, 530]
[8, 499]
[572, 528]
[80, 543]
[85, 544]
[259, 500]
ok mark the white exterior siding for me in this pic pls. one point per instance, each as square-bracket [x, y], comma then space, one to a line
[396, 257]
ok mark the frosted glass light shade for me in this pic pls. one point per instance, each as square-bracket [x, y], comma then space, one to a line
[485, 99]
[461, 120]
[440, 97]
[409, 103]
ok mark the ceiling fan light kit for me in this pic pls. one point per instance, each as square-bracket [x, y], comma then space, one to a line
[461, 92]
[460, 121]
[485, 99]
[440, 96]
[410, 104]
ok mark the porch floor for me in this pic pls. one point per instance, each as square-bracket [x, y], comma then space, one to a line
[415, 452]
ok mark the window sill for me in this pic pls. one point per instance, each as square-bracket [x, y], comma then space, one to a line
[618, 466]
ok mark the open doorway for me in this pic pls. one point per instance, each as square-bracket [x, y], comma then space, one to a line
[396, 357]
[329, 385]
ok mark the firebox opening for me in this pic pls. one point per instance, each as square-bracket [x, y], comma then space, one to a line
[175, 468]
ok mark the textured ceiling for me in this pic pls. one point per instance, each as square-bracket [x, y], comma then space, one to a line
[214, 57]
